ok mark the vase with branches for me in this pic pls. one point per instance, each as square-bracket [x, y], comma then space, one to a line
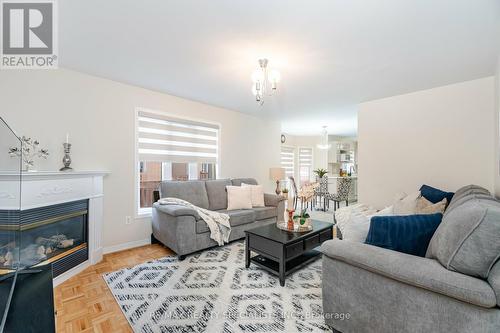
[28, 151]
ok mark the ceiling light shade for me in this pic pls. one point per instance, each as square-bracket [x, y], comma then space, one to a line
[274, 76]
[324, 145]
[264, 82]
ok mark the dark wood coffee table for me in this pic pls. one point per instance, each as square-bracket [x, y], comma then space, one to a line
[282, 252]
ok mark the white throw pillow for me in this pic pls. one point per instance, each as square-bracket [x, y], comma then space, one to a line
[357, 229]
[239, 197]
[343, 215]
[387, 211]
[257, 194]
[407, 205]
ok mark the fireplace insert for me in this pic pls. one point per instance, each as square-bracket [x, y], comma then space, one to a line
[36, 245]
[54, 235]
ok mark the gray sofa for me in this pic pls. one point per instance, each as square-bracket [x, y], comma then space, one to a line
[182, 230]
[456, 288]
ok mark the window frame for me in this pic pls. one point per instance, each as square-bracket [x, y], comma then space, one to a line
[146, 212]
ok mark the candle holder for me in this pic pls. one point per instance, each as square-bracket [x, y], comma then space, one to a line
[67, 158]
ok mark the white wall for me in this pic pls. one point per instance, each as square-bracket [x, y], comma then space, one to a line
[99, 114]
[320, 157]
[443, 137]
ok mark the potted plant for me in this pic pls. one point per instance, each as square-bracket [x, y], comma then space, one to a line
[320, 173]
[284, 193]
[303, 219]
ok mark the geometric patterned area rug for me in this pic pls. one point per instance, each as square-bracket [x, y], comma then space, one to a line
[212, 291]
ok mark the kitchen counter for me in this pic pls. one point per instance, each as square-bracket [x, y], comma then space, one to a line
[336, 177]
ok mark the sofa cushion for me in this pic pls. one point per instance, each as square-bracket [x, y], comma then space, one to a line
[435, 195]
[238, 181]
[236, 218]
[409, 234]
[494, 280]
[239, 217]
[262, 213]
[193, 191]
[467, 239]
[217, 195]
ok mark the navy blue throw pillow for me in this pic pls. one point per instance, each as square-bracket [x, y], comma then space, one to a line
[408, 234]
[435, 195]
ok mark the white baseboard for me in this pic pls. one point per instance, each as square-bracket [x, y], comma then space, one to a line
[126, 246]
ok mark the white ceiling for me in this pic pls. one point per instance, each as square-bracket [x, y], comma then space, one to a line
[332, 54]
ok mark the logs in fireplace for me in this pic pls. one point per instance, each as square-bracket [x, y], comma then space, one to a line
[56, 234]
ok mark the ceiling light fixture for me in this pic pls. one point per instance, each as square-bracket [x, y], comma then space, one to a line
[265, 82]
[325, 144]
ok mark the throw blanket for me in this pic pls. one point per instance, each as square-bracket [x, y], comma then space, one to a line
[218, 223]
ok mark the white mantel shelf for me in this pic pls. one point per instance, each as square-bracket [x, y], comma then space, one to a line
[46, 188]
[50, 174]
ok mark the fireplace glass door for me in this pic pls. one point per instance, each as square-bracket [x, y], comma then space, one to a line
[10, 206]
[51, 233]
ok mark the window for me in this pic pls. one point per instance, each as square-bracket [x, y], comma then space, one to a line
[171, 148]
[288, 163]
[305, 164]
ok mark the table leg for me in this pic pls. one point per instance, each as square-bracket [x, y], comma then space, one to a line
[247, 252]
[282, 267]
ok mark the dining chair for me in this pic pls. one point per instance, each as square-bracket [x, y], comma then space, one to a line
[343, 188]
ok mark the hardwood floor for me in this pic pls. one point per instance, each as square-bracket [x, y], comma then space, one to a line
[84, 302]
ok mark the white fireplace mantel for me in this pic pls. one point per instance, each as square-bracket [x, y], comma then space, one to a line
[45, 188]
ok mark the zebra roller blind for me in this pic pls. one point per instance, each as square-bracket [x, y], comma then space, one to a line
[164, 138]
[288, 160]
[305, 163]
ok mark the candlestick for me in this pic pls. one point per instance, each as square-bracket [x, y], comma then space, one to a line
[67, 158]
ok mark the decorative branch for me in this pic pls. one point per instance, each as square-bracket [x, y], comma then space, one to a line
[29, 150]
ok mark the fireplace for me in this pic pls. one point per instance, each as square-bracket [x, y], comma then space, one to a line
[55, 234]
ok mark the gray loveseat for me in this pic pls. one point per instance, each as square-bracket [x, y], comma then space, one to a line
[182, 230]
[456, 288]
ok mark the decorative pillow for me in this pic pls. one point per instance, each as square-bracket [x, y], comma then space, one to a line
[467, 240]
[387, 211]
[435, 195]
[357, 229]
[424, 206]
[408, 234]
[344, 215]
[257, 194]
[407, 205]
[239, 197]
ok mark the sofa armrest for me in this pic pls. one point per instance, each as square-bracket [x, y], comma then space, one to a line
[176, 210]
[416, 271]
[272, 200]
